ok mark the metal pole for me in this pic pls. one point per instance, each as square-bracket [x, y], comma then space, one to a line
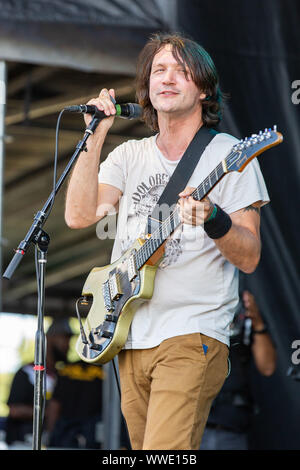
[39, 399]
[2, 154]
[111, 410]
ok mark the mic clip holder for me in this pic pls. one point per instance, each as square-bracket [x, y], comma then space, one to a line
[42, 240]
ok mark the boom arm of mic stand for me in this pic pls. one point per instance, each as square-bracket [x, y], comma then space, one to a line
[40, 218]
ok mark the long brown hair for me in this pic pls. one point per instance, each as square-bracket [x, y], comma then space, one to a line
[194, 59]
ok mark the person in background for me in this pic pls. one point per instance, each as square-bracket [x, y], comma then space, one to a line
[231, 413]
[75, 409]
[19, 424]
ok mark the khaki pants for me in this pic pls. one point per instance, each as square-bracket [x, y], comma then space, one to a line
[167, 391]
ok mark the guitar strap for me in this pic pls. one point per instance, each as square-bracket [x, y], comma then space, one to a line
[182, 173]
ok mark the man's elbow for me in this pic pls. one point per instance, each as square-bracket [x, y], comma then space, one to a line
[72, 222]
[268, 371]
[269, 366]
[250, 265]
[73, 225]
[77, 222]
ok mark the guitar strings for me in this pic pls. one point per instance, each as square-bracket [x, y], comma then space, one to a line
[147, 246]
[146, 250]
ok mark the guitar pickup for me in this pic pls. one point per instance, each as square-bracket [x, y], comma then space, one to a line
[132, 271]
[115, 286]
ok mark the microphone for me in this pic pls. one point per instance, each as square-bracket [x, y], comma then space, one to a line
[125, 111]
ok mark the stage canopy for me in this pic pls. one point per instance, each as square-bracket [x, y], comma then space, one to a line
[103, 36]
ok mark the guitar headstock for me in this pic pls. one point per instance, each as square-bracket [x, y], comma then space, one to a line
[246, 149]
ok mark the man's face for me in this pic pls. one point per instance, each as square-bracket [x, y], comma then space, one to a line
[171, 91]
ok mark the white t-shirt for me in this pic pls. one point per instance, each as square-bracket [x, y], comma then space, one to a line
[196, 288]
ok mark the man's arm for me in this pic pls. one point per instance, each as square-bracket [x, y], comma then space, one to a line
[241, 244]
[21, 411]
[263, 350]
[87, 201]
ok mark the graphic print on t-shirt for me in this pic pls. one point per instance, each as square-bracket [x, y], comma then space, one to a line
[143, 201]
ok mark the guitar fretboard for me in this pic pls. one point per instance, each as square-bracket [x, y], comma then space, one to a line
[169, 225]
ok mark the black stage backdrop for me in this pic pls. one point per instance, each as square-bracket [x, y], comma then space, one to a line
[256, 48]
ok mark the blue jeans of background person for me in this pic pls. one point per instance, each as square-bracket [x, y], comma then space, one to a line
[221, 439]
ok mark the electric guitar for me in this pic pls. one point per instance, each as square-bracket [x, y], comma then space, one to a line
[117, 290]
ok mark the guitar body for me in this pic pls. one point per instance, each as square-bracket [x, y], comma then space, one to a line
[130, 295]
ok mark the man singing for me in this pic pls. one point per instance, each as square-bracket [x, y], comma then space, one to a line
[175, 359]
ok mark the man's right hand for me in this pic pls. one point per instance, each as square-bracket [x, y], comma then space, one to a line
[103, 103]
[86, 199]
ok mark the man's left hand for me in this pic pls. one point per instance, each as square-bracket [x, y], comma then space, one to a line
[194, 212]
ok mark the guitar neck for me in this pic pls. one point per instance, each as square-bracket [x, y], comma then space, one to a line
[169, 225]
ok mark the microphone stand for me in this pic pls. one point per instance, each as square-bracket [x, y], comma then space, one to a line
[41, 240]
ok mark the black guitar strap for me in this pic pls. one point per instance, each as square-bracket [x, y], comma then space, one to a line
[182, 173]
